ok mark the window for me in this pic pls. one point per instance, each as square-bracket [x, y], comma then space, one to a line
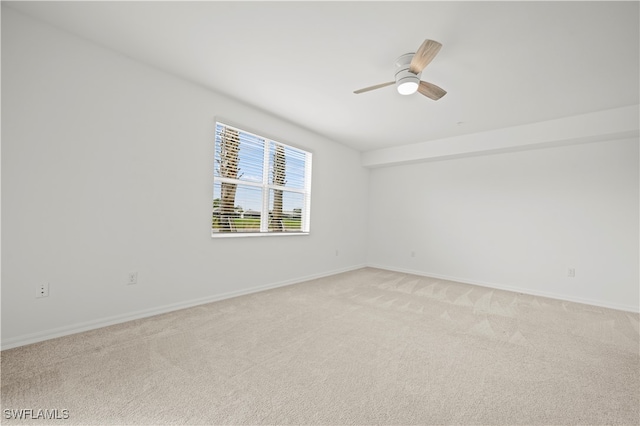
[260, 187]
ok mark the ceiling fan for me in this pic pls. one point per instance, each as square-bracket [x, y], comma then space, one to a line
[408, 70]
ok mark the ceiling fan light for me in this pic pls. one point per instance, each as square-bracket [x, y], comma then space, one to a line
[406, 82]
[407, 86]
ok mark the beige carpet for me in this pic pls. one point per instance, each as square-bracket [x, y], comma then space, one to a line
[363, 347]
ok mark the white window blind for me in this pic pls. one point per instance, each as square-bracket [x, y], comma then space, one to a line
[260, 186]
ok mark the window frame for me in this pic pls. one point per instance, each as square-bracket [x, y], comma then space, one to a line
[265, 186]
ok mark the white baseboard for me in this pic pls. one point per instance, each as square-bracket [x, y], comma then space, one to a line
[603, 304]
[118, 319]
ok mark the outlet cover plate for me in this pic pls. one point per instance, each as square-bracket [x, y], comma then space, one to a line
[42, 290]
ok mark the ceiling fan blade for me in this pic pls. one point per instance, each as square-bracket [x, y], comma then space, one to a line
[425, 54]
[431, 90]
[377, 86]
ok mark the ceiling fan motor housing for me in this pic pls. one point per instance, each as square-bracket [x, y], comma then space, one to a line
[406, 82]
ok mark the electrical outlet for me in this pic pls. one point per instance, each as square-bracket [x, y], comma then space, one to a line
[42, 290]
[133, 278]
[571, 272]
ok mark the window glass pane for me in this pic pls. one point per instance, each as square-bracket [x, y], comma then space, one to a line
[259, 185]
[286, 166]
[285, 211]
[238, 155]
[236, 208]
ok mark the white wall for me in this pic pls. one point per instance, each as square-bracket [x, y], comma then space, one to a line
[107, 168]
[517, 221]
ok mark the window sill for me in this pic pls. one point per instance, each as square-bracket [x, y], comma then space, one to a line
[255, 234]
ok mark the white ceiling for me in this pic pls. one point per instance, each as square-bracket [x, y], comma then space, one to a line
[502, 63]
